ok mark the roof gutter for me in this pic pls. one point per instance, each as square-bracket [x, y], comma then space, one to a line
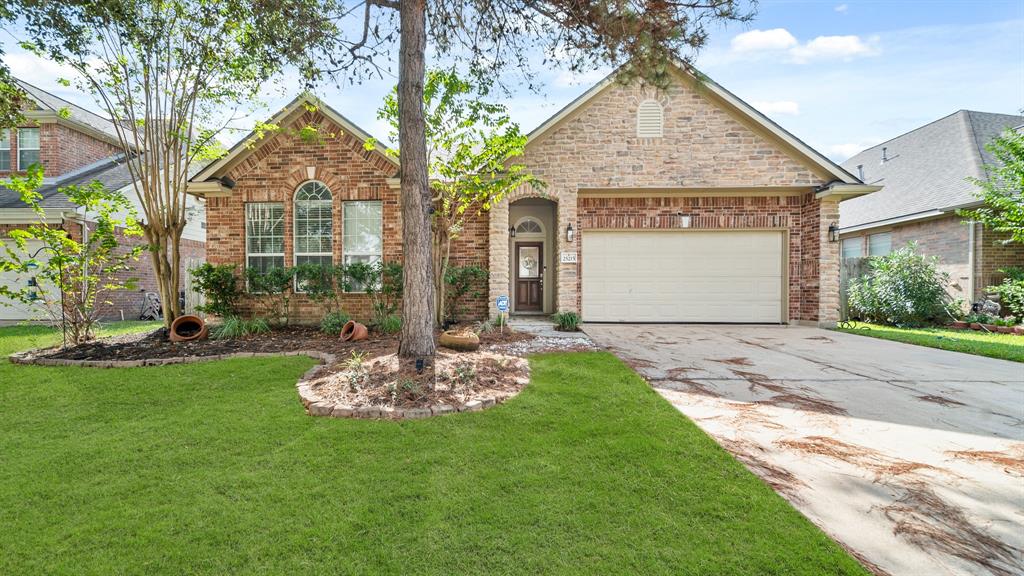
[916, 216]
[837, 190]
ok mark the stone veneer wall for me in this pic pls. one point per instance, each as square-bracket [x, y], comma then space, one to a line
[704, 147]
[274, 171]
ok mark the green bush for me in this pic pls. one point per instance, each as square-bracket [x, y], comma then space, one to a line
[567, 321]
[462, 281]
[333, 322]
[388, 324]
[275, 288]
[1011, 291]
[902, 288]
[218, 283]
[322, 283]
[235, 327]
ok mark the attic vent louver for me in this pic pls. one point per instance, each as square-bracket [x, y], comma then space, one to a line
[649, 120]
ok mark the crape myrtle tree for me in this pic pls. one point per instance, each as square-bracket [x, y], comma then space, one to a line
[489, 39]
[471, 144]
[172, 74]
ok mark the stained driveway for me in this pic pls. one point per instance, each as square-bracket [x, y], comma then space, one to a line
[911, 457]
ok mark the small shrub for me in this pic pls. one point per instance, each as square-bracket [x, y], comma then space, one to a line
[235, 327]
[388, 324]
[333, 322]
[322, 283]
[464, 374]
[460, 282]
[902, 288]
[218, 283]
[355, 365]
[567, 321]
[275, 288]
[1011, 290]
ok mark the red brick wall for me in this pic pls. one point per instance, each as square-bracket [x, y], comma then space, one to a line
[62, 149]
[471, 247]
[994, 254]
[797, 215]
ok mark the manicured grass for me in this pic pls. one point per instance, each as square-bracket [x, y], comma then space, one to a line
[1005, 346]
[214, 469]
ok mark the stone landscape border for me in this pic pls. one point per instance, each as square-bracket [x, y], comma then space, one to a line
[315, 406]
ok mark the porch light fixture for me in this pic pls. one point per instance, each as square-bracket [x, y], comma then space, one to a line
[569, 233]
[833, 232]
[512, 231]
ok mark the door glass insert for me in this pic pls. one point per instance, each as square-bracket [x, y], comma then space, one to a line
[529, 262]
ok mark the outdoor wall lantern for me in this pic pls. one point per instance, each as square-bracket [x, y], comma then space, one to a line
[833, 232]
[512, 231]
[569, 233]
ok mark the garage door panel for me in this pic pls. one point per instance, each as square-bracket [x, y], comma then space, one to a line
[684, 276]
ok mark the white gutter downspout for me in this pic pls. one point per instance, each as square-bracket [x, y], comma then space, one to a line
[970, 262]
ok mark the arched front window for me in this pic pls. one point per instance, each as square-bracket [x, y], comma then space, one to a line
[529, 226]
[314, 239]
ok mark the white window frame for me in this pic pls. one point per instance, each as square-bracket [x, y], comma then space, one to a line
[296, 254]
[21, 148]
[856, 241]
[519, 235]
[345, 254]
[887, 234]
[5, 148]
[248, 253]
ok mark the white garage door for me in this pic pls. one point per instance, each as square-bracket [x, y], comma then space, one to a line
[682, 276]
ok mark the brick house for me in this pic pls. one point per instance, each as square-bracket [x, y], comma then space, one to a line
[675, 205]
[75, 146]
[925, 177]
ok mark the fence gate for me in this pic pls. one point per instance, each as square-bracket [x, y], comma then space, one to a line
[849, 270]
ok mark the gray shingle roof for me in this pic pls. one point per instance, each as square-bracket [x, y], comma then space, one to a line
[927, 168]
[111, 172]
[46, 101]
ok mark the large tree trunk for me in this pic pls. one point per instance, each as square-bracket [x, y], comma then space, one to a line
[417, 340]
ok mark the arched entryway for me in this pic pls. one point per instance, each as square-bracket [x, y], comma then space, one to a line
[532, 253]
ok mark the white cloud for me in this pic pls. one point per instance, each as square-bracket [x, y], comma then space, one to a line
[842, 8]
[762, 40]
[843, 48]
[787, 107]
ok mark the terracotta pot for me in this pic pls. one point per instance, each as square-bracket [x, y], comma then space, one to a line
[354, 331]
[975, 326]
[960, 325]
[1005, 329]
[989, 327]
[463, 341]
[1018, 330]
[188, 328]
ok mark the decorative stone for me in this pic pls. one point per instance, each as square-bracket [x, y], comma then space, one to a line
[416, 413]
[442, 409]
[474, 406]
[367, 412]
[342, 411]
[488, 402]
[321, 409]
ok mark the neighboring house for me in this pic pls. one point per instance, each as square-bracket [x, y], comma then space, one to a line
[925, 174]
[679, 205]
[76, 146]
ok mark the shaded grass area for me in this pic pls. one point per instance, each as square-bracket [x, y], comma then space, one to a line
[980, 343]
[214, 468]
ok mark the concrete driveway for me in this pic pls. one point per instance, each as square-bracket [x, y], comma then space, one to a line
[911, 457]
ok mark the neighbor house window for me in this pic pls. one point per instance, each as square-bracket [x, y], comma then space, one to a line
[28, 147]
[362, 238]
[5, 150]
[649, 119]
[313, 225]
[264, 235]
[879, 244]
[853, 248]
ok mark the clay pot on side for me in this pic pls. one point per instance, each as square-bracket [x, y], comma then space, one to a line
[975, 326]
[354, 331]
[188, 328]
[462, 341]
[960, 325]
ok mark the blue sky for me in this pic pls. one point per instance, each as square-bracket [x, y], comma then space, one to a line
[842, 76]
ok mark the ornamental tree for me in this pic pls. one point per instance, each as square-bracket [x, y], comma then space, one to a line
[1003, 190]
[173, 75]
[471, 147]
[73, 277]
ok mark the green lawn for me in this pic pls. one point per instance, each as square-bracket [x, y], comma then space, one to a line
[214, 469]
[1005, 346]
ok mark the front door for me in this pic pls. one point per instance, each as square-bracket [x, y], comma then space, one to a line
[529, 276]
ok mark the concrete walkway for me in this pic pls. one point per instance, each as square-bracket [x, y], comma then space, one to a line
[911, 457]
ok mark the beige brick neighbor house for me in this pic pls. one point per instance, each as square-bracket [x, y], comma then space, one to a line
[676, 205]
[925, 174]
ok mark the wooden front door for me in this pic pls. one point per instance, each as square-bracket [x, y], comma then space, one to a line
[529, 276]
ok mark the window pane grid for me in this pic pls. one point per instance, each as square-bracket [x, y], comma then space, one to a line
[28, 147]
[5, 150]
[879, 244]
[362, 238]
